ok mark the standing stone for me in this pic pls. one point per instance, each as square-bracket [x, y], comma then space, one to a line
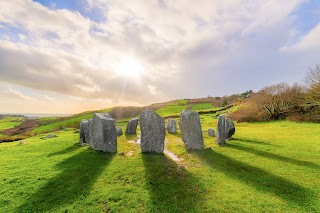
[191, 130]
[132, 126]
[153, 132]
[84, 132]
[221, 128]
[172, 127]
[211, 132]
[119, 130]
[230, 128]
[90, 134]
[103, 133]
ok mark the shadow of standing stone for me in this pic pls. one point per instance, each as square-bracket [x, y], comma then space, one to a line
[171, 187]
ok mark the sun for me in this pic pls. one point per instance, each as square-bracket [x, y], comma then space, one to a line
[128, 67]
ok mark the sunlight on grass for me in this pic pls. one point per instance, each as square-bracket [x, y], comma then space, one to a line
[266, 167]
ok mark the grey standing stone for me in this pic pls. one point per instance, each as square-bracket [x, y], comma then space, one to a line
[153, 132]
[103, 133]
[190, 128]
[221, 130]
[84, 132]
[211, 132]
[119, 130]
[90, 134]
[172, 127]
[230, 128]
[132, 126]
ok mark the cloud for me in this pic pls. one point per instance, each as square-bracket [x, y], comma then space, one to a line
[186, 49]
[8, 92]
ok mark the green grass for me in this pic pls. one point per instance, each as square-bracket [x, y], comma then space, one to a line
[201, 106]
[57, 123]
[10, 122]
[266, 167]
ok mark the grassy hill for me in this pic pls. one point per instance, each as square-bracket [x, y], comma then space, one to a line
[122, 115]
[266, 167]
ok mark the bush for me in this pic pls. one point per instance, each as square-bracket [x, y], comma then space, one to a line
[248, 113]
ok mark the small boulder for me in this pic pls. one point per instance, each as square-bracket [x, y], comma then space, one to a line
[153, 132]
[51, 136]
[119, 130]
[132, 126]
[211, 132]
[172, 127]
[190, 128]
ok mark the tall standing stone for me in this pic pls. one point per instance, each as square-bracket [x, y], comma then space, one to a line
[153, 132]
[221, 130]
[172, 127]
[103, 133]
[211, 132]
[90, 135]
[190, 128]
[230, 128]
[84, 132]
[132, 126]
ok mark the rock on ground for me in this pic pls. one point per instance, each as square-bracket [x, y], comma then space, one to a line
[51, 136]
[103, 133]
[230, 128]
[172, 127]
[190, 128]
[153, 132]
[220, 132]
[132, 126]
[211, 132]
[84, 132]
[119, 130]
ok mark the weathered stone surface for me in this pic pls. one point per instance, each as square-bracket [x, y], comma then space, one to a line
[190, 128]
[84, 132]
[211, 132]
[51, 136]
[90, 134]
[172, 126]
[230, 128]
[119, 130]
[153, 132]
[221, 130]
[132, 126]
[103, 133]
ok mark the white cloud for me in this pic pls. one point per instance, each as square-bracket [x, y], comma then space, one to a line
[9, 93]
[185, 49]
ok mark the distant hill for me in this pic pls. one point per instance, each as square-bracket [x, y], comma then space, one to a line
[122, 114]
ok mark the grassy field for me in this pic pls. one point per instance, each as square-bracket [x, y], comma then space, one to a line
[9, 122]
[266, 167]
[57, 123]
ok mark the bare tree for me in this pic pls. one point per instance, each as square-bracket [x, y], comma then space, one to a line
[279, 99]
[312, 96]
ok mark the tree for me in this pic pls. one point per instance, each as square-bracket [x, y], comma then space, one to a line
[312, 96]
[279, 99]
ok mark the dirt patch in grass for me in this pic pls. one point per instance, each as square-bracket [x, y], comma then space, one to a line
[25, 127]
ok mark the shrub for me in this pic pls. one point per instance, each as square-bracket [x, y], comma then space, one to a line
[248, 112]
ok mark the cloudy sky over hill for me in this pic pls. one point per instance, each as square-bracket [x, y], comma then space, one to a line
[74, 55]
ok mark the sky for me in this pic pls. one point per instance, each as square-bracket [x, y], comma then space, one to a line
[69, 56]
